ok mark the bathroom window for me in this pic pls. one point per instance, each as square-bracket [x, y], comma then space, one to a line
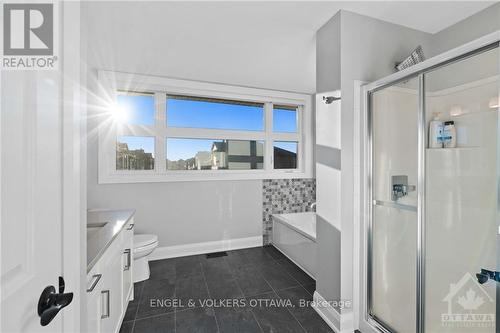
[158, 129]
[214, 154]
[213, 113]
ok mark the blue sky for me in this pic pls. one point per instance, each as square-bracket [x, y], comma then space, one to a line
[198, 114]
[287, 145]
[140, 110]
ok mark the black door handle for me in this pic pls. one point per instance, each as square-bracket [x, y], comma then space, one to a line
[50, 302]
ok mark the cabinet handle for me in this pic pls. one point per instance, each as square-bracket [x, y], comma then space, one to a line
[95, 280]
[106, 315]
[128, 262]
[131, 226]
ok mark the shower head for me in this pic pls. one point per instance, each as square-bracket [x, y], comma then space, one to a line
[330, 99]
[414, 58]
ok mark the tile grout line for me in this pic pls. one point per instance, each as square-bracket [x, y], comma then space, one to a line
[300, 283]
[256, 320]
[277, 261]
[235, 279]
[156, 315]
[138, 304]
[208, 292]
[275, 293]
[245, 296]
[298, 322]
[232, 269]
[242, 293]
[286, 273]
[290, 312]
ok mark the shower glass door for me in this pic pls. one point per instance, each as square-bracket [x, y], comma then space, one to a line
[394, 120]
[461, 221]
[433, 231]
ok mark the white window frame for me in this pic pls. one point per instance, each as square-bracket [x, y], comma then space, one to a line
[110, 83]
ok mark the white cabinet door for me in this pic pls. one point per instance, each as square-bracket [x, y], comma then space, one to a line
[111, 294]
[31, 198]
[128, 259]
[94, 303]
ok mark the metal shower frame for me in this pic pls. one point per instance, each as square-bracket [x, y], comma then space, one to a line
[483, 44]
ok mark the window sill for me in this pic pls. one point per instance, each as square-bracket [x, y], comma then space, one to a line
[190, 176]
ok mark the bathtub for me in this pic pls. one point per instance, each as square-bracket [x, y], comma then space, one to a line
[295, 236]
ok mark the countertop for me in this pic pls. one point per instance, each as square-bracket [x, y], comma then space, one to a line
[99, 238]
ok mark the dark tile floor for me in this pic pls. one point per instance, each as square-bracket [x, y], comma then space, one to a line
[249, 290]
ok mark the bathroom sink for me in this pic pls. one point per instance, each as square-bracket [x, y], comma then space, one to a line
[93, 228]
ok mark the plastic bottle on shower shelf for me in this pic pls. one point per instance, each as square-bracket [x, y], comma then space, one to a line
[449, 134]
[436, 128]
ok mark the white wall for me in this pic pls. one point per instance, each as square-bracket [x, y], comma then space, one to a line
[328, 134]
[473, 27]
[262, 46]
[157, 38]
[369, 50]
[183, 212]
[178, 212]
[328, 55]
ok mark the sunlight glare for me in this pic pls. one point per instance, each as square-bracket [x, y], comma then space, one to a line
[119, 113]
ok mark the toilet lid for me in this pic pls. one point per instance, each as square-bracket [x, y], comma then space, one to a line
[143, 240]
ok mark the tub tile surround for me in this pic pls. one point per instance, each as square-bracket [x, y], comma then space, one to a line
[280, 196]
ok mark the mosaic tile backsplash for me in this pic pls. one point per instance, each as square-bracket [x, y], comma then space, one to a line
[285, 196]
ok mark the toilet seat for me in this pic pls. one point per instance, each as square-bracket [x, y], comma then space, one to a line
[144, 240]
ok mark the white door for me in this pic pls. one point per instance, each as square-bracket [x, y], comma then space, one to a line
[31, 200]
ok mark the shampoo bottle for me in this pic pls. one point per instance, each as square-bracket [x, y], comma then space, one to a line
[450, 134]
[436, 132]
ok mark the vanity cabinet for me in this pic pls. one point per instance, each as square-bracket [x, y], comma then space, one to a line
[127, 258]
[110, 284]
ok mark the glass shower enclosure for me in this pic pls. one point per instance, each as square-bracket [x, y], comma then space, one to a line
[433, 204]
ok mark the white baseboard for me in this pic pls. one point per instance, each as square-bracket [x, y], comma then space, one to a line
[340, 323]
[205, 247]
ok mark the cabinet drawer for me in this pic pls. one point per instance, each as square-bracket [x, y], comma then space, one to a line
[111, 297]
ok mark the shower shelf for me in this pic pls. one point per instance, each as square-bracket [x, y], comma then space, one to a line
[392, 204]
[452, 149]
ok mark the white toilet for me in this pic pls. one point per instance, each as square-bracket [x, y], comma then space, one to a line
[143, 246]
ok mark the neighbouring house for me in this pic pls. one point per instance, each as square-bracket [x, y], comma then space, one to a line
[137, 159]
